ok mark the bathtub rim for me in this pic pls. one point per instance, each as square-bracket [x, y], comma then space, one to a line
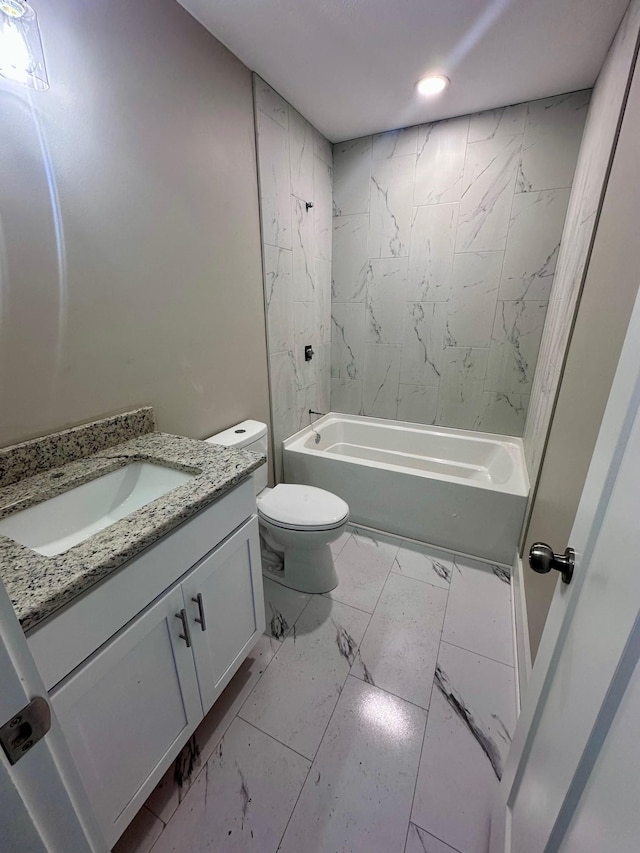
[518, 485]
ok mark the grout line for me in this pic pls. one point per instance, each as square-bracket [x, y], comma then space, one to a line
[388, 692]
[272, 737]
[417, 825]
[424, 738]
[479, 654]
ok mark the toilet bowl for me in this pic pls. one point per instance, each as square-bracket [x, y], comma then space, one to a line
[297, 523]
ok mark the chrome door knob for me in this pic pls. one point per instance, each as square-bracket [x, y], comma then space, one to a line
[542, 560]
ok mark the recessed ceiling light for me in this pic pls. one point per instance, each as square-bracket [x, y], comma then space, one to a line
[432, 85]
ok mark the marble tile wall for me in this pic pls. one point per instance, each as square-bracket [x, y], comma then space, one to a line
[295, 168]
[588, 188]
[445, 241]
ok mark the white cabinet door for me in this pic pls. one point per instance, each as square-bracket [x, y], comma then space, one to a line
[128, 711]
[224, 592]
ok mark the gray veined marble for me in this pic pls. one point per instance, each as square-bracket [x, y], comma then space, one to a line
[306, 334]
[270, 103]
[273, 157]
[322, 203]
[352, 172]
[552, 138]
[350, 258]
[347, 340]
[514, 346]
[417, 404]
[440, 162]
[505, 121]
[488, 186]
[590, 174]
[390, 206]
[381, 379]
[535, 231]
[346, 396]
[461, 235]
[301, 156]
[279, 297]
[502, 413]
[422, 343]
[433, 231]
[461, 386]
[395, 143]
[384, 309]
[474, 293]
[302, 238]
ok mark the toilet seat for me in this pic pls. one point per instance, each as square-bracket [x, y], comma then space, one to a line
[295, 507]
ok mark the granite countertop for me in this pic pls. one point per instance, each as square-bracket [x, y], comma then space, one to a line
[39, 585]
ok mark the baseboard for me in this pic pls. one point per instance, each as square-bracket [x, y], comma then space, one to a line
[521, 628]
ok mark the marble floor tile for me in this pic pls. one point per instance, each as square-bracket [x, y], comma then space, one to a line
[141, 834]
[168, 794]
[479, 610]
[295, 698]
[419, 841]
[400, 647]
[282, 606]
[470, 725]
[338, 545]
[423, 563]
[357, 796]
[363, 566]
[243, 799]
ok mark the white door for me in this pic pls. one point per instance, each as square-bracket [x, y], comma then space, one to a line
[569, 768]
[43, 807]
[224, 598]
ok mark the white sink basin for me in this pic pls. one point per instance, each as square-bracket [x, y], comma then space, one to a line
[57, 524]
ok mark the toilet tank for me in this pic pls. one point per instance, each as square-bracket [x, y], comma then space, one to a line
[249, 435]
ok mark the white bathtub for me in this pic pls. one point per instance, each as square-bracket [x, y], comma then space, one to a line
[454, 488]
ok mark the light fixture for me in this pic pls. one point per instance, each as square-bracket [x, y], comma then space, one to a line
[432, 85]
[21, 54]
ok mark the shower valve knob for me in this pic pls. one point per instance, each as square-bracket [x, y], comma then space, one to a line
[542, 559]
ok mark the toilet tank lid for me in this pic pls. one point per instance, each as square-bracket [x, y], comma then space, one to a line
[240, 435]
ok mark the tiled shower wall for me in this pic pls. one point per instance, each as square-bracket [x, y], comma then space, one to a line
[445, 240]
[295, 176]
[590, 181]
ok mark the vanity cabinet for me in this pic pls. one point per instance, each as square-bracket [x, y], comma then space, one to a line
[128, 708]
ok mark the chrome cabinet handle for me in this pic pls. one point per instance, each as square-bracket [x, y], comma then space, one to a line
[201, 621]
[182, 616]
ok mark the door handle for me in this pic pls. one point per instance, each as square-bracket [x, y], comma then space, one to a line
[182, 616]
[542, 560]
[202, 622]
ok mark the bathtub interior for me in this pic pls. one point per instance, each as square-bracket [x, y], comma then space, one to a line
[481, 459]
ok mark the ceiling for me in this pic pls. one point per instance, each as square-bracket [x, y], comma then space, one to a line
[350, 66]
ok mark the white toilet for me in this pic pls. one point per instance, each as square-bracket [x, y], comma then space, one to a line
[297, 523]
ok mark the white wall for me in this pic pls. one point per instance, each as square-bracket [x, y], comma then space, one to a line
[601, 319]
[295, 167]
[130, 265]
[444, 249]
[588, 187]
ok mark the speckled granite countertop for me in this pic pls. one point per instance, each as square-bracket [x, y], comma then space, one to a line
[39, 585]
